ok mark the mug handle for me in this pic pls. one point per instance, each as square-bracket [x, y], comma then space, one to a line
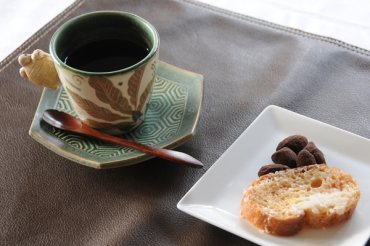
[39, 68]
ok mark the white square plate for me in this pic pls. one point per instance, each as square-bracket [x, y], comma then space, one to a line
[216, 197]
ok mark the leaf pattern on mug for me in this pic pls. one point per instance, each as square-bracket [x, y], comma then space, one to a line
[93, 109]
[134, 85]
[105, 125]
[145, 95]
[108, 93]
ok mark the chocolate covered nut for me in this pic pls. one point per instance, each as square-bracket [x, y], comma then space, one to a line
[317, 153]
[310, 146]
[271, 168]
[285, 156]
[305, 158]
[319, 156]
[294, 142]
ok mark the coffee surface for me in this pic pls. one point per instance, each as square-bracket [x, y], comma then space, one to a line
[106, 55]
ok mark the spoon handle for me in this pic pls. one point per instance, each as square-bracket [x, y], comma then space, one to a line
[171, 155]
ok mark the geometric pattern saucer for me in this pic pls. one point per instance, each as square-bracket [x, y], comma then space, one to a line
[170, 121]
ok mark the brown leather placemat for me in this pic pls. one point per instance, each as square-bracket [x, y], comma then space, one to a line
[247, 65]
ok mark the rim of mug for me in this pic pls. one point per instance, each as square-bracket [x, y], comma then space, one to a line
[153, 51]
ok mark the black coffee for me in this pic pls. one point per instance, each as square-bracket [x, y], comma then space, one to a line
[106, 55]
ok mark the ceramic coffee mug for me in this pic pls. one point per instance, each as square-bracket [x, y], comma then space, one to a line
[106, 62]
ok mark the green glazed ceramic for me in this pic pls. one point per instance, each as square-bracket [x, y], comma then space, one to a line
[170, 121]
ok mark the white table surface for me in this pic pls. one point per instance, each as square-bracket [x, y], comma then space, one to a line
[345, 20]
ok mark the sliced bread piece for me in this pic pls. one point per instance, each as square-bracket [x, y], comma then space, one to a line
[317, 196]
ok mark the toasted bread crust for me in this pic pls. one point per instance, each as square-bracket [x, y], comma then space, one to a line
[276, 226]
[282, 203]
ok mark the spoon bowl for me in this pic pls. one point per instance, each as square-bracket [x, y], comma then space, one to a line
[61, 120]
[69, 123]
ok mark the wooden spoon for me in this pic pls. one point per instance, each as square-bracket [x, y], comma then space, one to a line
[69, 123]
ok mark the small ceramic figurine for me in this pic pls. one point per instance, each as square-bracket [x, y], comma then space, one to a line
[38, 67]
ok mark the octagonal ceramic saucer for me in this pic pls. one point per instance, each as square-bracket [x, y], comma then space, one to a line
[170, 121]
